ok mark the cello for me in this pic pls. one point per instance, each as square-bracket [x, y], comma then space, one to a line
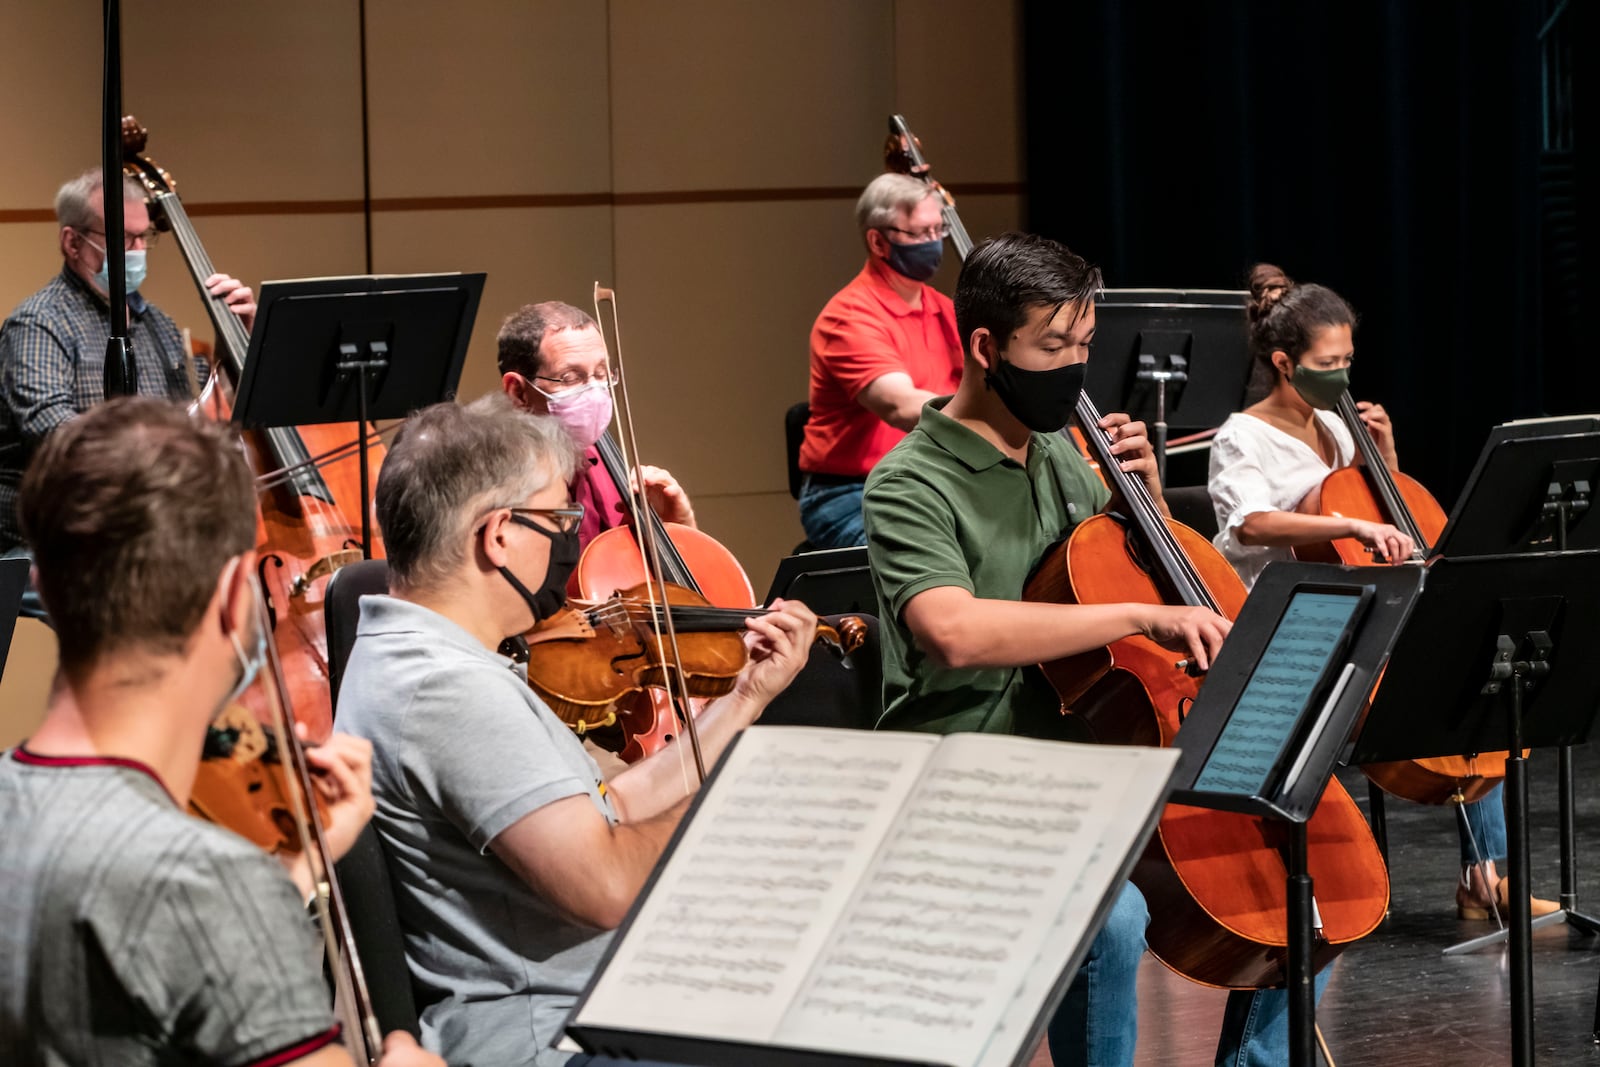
[1371, 491]
[1215, 882]
[305, 532]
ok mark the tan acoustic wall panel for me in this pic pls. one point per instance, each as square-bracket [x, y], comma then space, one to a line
[701, 156]
[488, 97]
[728, 94]
[530, 254]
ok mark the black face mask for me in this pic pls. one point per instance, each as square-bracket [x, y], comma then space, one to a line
[1042, 400]
[552, 592]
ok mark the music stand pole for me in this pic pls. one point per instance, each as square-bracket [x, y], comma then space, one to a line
[1561, 511]
[1519, 854]
[1301, 978]
[378, 360]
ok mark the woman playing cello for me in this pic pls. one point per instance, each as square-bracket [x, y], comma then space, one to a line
[1268, 464]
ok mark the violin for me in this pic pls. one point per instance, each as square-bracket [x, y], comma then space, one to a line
[1370, 490]
[628, 557]
[309, 523]
[586, 658]
[1215, 881]
[298, 809]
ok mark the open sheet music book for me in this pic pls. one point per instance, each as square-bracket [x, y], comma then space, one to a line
[842, 896]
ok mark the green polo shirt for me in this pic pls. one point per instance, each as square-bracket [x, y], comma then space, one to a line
[946, 507]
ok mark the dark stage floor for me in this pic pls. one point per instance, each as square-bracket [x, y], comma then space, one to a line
[1394, 1000]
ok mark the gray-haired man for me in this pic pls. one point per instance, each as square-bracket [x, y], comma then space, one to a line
[511, 859]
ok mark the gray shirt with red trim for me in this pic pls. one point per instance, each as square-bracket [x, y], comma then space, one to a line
[132, 933]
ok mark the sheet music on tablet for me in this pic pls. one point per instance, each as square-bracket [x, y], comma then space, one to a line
[889, 896]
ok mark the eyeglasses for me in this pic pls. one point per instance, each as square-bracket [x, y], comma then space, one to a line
[149, 237]
[572, 379]
[565, 519]
[937, 233]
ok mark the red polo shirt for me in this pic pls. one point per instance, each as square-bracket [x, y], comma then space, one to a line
[865, 332]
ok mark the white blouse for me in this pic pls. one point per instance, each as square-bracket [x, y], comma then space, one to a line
[1257, 467]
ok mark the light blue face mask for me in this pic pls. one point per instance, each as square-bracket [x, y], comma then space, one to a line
[134, 269]
[249, 665]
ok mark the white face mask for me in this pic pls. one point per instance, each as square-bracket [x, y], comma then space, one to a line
[584, 411]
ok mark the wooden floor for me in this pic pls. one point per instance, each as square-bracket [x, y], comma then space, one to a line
[1394, 1000]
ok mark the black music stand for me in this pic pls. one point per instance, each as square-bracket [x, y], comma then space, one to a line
[1277, 710]
[1480, 668]
[831, 581]
[13, 580]
[1532, 490]
[328, 350]
[1170, 356]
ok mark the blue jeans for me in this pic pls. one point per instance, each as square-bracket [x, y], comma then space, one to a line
[1255, 1026]
[831, 514]
[1097, 1024]
[32, 606]
[1487, 817]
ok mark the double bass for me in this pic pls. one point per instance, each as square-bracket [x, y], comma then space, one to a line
[310, 519]
[304, 533]
[1215, 882]
[1371, 491]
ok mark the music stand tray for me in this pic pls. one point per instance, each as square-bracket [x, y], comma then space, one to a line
[1527, 492]
[332, 350]
[831, 581]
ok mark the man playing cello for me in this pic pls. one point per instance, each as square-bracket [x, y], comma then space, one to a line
[958, 515]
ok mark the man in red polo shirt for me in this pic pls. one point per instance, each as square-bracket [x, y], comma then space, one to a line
[882, 347]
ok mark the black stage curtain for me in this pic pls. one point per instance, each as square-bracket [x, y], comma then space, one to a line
[1389, 150]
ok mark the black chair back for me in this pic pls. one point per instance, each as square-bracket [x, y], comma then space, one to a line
[832, 691]
[364, 871]
[341, 611]
[794, 433]
[1191, 505]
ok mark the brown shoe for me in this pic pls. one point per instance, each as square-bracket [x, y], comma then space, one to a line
[1474, 902]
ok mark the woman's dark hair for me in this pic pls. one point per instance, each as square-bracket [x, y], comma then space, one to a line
[1285, 317]
[1005, 277]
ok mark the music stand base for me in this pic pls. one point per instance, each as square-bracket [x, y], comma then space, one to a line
[1500, 936]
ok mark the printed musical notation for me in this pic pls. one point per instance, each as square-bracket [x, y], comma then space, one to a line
[886, 895]
[952, 911]
[758, 880]
[1265, 718]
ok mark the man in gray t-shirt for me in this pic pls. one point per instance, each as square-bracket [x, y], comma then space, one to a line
[511, 860]
[131, 933]
[126, 923]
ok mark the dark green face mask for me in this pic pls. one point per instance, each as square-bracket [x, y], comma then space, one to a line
[1321, 388]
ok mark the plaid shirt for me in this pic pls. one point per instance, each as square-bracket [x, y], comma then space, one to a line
[52, 360]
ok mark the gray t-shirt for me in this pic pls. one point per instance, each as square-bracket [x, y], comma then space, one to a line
[133, 933]
[462, 750]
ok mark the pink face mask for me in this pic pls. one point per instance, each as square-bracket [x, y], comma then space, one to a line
[584, 411]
